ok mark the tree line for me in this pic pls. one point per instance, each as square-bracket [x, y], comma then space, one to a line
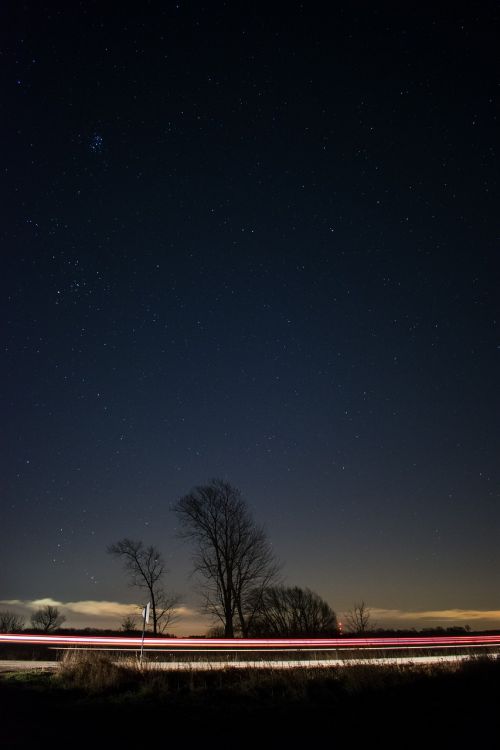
[46, 619]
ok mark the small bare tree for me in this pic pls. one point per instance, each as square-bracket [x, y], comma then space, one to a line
[10, 622]
[146, 569]
[47, 619]
[129, 624]
[358, 619]
[166, 610]
[232, 556]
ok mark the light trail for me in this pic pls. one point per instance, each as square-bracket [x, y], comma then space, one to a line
[271, 650]
[235, 644]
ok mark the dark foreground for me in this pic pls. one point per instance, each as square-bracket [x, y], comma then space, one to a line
[95, 704]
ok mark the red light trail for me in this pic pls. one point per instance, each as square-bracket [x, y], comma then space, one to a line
[235, 644]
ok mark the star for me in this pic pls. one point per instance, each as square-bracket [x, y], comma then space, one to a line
[96, 144]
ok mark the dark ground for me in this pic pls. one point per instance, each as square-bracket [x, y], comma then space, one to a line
[395, 706]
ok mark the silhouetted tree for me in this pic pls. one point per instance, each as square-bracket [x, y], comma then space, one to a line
[47, 618]
[129, 624]
[216, 631]
[146, 570]
[10, 622]
[292, 612]
[358, 619]
[232, 558]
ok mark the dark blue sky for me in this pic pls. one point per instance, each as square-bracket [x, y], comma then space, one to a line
[263, 246]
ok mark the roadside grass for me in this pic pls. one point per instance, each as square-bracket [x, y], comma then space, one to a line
[88, 674]
[94, 675]
[31, 678]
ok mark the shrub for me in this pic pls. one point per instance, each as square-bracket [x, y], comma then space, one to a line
[94, 673]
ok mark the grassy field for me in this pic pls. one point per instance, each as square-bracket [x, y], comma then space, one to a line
[92, 701]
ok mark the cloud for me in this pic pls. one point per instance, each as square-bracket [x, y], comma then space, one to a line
[101, 614]
[100, 608]
[86, 607]
[436, 617]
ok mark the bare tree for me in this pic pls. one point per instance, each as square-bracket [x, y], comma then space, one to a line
[47, 618]
[146, 569]
[10, 622]
[129, 624]
[233, 558]
[284, 612]
[166, 609]
[216, 631]
[358, 619]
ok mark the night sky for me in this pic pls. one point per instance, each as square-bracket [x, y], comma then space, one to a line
[257, 242]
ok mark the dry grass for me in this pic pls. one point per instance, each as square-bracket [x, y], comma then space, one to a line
[94, 673]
